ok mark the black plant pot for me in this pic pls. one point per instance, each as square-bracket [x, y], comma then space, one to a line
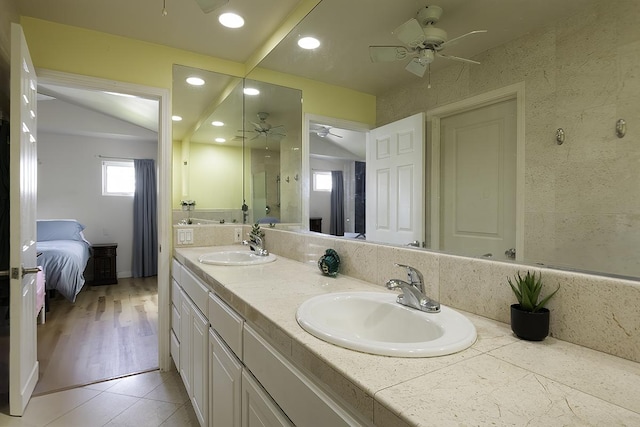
[530, 326]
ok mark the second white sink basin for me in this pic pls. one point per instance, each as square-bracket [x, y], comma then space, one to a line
[235, 258]
[373, 322]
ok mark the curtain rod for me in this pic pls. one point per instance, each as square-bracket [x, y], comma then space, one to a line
[118, 158]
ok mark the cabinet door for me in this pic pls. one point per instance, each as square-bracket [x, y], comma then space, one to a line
[225, 380]
[200, 365]
[258, 409]
[186, 368]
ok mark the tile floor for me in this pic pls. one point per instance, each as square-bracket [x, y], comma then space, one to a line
[151, 399]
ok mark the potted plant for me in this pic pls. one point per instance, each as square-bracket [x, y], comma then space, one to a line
[529, 317]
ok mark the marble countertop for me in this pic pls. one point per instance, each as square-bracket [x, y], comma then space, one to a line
[500, 380]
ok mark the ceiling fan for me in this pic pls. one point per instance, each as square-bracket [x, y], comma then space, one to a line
[323, 131]
[423, 42]
[264, 128]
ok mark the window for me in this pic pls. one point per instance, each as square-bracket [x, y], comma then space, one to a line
[118, 178]
[321, 181]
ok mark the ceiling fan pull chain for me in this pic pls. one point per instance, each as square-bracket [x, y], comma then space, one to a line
[429, 76]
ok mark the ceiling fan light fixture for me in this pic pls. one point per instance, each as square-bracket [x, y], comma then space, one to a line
[426, 56]
[231, 20]
[309, 43]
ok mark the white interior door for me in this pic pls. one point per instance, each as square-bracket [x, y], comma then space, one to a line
[395, 177]
[23, 363]
[478, 181]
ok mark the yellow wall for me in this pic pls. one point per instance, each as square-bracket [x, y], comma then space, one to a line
[324, 99]
[215, 179]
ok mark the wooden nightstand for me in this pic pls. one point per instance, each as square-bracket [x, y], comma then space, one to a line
[104, 264]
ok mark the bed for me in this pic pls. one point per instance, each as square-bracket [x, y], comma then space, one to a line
[63, 253]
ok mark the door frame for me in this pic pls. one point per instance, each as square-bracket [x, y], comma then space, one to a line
[515, 91]
[163, 166]
[306, 167]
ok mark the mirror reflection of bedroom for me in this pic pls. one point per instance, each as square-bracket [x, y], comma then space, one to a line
[100, 307]
[337, 182]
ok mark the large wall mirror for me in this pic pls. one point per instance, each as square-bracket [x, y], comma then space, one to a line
[568, 72]
[237, 149]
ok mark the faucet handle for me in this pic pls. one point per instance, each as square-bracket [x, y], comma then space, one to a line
[414, 276]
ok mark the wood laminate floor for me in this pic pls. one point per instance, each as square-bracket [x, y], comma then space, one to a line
[110, 331]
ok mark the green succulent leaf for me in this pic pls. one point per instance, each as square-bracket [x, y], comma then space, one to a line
[527, 290]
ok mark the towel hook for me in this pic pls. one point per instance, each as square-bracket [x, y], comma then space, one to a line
[560, 136]
[621, 128]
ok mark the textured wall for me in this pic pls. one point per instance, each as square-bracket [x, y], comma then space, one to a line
[580, 74]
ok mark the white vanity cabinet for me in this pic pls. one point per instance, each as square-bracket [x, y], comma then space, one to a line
[225, 376]
[233, 376]
[258, 409]
[192, 359]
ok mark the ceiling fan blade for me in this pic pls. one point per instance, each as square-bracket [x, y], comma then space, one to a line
[387, 53]
[410, 33]
[279, 127]
[258, 126]
[455, 39]
[334, 134]
[416, 67]
[211, 5]
[457, 58]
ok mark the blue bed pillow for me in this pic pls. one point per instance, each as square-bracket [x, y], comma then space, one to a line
[59, 229]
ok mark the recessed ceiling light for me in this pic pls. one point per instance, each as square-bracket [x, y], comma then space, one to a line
[251, 91]
[231, 20]
[176, 118]
[308, 42]
[195, 81]
[217, 123]
[220, 140]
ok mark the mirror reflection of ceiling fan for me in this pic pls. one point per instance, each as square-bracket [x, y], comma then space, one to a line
[264, 128]
[323, 131]
[423, 42]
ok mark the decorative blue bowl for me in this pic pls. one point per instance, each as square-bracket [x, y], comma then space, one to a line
[329, 263]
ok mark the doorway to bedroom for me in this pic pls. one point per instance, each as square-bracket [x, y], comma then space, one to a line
[111, 329]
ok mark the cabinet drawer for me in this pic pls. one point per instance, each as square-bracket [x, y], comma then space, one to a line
[258, 409]
[198, 292]
[176, 270]
[175, 293]
[227, 323]
[300, 398]
[175, 350]
[175, 321]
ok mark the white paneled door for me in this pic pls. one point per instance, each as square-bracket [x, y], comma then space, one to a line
[23, 363]
[478, 181]
[395, 177]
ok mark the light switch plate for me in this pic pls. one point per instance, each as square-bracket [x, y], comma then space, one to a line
[185, 236]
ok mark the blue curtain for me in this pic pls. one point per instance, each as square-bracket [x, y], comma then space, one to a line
[145, 224]
[336, 224]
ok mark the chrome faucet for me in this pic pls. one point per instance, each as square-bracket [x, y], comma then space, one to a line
[413, 291]
[256, 244]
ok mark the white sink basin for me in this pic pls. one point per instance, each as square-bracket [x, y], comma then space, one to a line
[235, 258]
[373, 322]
